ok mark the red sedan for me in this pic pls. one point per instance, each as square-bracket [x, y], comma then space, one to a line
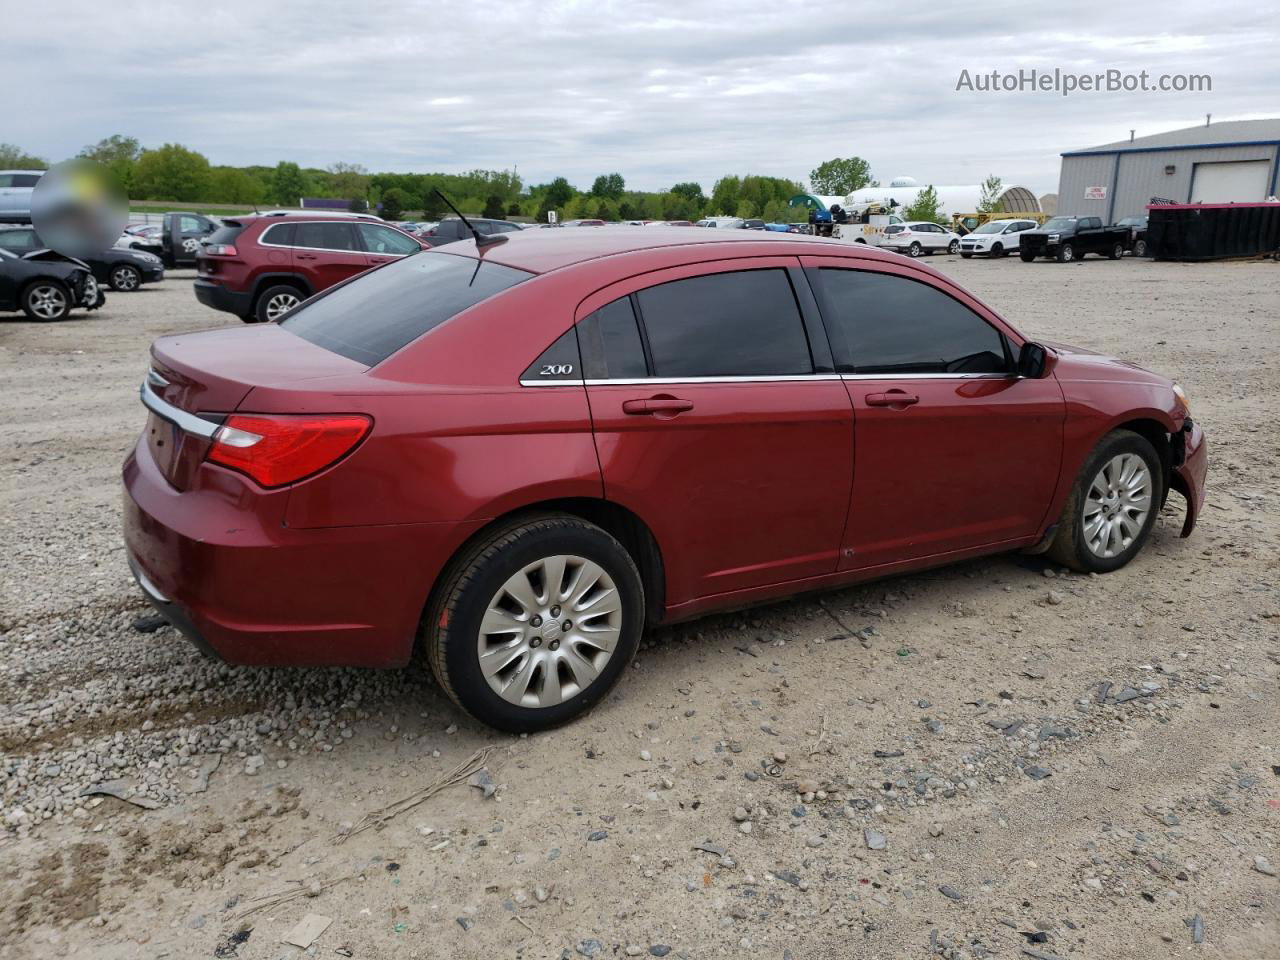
[523, 455]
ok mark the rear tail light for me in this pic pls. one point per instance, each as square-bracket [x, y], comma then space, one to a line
[220, 249]
[278, 450]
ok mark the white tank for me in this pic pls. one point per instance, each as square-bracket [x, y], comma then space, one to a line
[904, 190]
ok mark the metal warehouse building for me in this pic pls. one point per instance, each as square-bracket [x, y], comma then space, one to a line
[1233, 162]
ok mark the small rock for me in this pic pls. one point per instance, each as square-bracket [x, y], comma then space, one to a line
[950, 892]
[1263, 866]
[1054, 597]
[740, 814]
[589, 948]
[659, 950]
[744, 827]
[874, 839]
[646, 755]
[466, 923]
[598, 835]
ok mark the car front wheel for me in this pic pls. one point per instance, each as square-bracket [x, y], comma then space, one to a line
[997, 250]
[125, 278]
[531, 626]
[1112, 507]
[46, 300]
[1066, 253]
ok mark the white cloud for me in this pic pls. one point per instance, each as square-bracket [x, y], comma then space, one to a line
[581, 88]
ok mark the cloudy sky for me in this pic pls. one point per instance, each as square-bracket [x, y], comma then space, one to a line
[659, 91]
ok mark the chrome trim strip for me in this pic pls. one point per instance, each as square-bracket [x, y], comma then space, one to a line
[178, 417]
[662, 381]
[155, 379]
[147, 586]
[929, 376]
[262, 241]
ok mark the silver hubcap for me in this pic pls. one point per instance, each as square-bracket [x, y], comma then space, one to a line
[1068, 253]
[279, 305]
[914, 250]
[124, 278]
[549, 631]
[1116, 508]
[47, 302]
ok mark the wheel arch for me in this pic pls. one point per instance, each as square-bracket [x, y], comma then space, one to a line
[619, 522]
[262, 281]
[1160, 437]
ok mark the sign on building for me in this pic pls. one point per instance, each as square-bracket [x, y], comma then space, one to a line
[1095, 193]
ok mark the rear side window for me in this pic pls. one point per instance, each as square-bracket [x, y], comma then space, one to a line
[24, 180]
[371, 317]
[278, 235]
[325, 236]
[740, 324]
[881, 323]
[612, 347]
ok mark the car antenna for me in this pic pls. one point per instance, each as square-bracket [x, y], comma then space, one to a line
[481, 241]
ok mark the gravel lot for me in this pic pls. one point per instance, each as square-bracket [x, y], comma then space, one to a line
[996, 758]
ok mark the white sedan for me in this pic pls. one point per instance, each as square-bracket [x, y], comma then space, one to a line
[919, 237]
[995, 238]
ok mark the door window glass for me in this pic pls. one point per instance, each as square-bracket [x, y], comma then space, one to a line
[379, 239]
[612, 346]
[882, 323]
[325, 236]
[743, 323]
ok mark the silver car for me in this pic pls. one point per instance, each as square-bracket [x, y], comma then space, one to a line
[15, 194]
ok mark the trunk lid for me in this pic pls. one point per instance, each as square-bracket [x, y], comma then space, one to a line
[208, 375]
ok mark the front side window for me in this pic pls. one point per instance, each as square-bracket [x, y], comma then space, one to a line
[191, 225]
[881, 323]
[371, 317]
[325, 236]
[741, 324]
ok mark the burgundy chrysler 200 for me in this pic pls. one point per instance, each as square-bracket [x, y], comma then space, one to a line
[522, 455]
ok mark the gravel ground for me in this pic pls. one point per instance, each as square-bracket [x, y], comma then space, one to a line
[996, 758]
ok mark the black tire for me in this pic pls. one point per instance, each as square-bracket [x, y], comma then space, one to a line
[1116, 252]
[270, 300]
[915, 249]
[46, 301]
[953, 247]
[1069, 547]
[966, 256]
[1140, 248]
[451, 628]
[1066, 253]
[1026, 255]
[998, 250]
[124, 278]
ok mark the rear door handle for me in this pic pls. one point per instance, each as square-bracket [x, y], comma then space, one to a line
[306, 256]
[892, 398]
[656, 405]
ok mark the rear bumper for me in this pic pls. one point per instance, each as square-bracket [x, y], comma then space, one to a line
[215, 295]
[1189, 476]
[248, 590]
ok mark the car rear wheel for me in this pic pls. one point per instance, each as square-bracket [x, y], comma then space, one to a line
[276, 301]
[46, 300]
[1112, 506]
[953, 247]
[1066, 253]
[534, 624]
[1117, 251]
[125, 278]
[915, 249]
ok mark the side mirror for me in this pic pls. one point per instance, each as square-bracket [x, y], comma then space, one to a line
[1031, 360]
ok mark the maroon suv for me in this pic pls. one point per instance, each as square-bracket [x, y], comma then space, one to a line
[261, 267]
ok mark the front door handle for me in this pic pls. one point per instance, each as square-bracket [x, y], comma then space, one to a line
[892, 398]
[660, 406]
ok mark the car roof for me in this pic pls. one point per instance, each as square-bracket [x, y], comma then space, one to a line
[39, 173]
[541, 251]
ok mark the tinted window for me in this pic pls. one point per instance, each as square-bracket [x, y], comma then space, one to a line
[6, 180]
[25, 180]
[324, 236]
[278, 234]
[881, 323]
[611, 343]
[373, 316]
[378, 239]
[227, 233]
[737, 324]
[18, 240]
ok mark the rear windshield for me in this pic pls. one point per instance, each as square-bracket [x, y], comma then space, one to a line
[371, 317]
[227, 233]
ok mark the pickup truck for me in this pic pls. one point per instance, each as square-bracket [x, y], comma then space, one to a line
[1070, 238]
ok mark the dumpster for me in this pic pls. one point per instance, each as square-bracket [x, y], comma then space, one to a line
[1212, 231]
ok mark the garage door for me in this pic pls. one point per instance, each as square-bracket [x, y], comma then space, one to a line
[1243, 181]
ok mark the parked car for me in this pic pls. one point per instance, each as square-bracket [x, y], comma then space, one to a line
[753, 223]
[995, 238]
[918, 238]
[721, 223]
[261, 267]
[46, 286]
[181, 235]
[668, 223]
[143, 237]
[425, 455]
[16, 187]
[120, 269]
[451, 229]
[583, 223]
[1137, 228]
[1069, 238]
